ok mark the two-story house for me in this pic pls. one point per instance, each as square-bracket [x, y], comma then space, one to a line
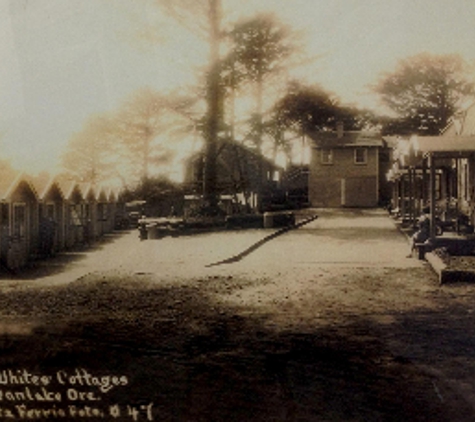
[347, 169]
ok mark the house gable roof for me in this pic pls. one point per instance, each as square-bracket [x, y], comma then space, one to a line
[349, 139]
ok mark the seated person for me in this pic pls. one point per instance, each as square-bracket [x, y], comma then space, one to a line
[423, 232]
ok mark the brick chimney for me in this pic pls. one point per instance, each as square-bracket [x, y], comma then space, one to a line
[339, 129]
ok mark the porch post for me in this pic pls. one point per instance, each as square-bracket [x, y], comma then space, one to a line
[411, 195]
[432, 195]
[403, 195]
[457, 185]
[396, 192]
[424, 181]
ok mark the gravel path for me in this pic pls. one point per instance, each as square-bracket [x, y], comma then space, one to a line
[327, 322]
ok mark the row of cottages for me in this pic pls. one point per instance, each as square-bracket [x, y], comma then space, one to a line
[437, 171]
[348, 169]
[69, 213]
[242, 175]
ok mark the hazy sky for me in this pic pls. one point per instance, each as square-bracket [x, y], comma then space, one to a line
[63, 60]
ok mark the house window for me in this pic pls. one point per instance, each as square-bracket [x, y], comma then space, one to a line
[361, 155]
[326, 156]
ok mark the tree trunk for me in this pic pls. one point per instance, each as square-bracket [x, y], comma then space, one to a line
[214, 113]
[259, 133]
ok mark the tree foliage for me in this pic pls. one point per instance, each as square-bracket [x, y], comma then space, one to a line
[154, 189]
[425, 91]
[131, 143]
[259, 47]
[306, 109]
[90, 154]
[140, 122]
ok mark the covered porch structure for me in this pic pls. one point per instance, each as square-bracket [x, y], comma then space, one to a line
[451, 165]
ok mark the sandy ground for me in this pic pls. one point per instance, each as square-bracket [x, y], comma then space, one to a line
[330, 321]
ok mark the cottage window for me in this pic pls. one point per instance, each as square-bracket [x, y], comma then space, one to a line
[75, 215]
[361, 155]
[326, 156]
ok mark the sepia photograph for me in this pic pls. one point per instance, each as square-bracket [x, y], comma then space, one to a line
[237, 210]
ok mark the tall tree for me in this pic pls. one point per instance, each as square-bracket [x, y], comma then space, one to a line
[425, 91]
[204, 17]
[259, 49]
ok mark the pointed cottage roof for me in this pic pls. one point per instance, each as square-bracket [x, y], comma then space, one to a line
[44, 185]
[68, 187]
[101, 194]
[112, 194]
[87, 190]
[6, 180]
[10, 182]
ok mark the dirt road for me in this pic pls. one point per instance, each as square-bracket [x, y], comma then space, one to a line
[327, 322]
